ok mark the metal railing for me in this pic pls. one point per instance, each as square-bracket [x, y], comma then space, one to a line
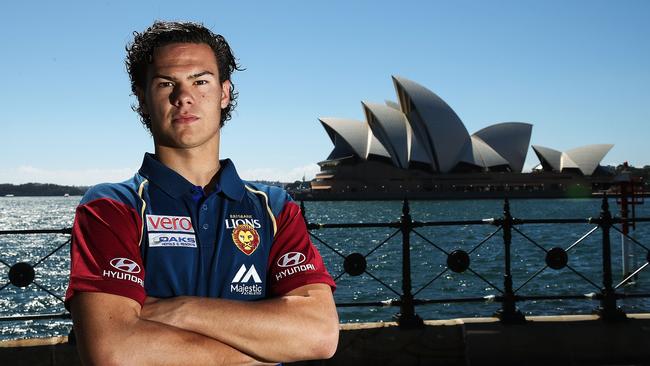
[22, 274]
[458, 261]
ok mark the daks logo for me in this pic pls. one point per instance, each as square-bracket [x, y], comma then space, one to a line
[172, 240]
[291, 259]
[125, 265]
[242, 278]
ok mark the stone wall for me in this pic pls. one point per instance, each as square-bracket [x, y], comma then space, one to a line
[558, 340]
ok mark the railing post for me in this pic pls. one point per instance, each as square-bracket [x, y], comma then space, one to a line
[607, 310]
[508, 312]
[407, 318]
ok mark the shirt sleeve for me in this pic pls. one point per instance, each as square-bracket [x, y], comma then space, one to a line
[105, 253]
[294, 261]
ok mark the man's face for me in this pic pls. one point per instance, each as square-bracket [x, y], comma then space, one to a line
[184, 97]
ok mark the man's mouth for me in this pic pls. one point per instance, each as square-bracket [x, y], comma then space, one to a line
[186, 118]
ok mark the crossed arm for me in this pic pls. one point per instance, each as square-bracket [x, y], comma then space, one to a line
[113, 329]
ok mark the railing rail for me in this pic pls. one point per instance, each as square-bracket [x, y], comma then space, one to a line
[459, 261]
[22, 274]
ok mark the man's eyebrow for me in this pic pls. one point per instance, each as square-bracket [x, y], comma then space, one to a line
[200, 74]
[193, 76]
[160, 76]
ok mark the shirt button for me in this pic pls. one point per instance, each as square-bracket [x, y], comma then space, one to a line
[205, 226]
[204, 207]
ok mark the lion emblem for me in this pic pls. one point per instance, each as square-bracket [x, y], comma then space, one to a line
[246, 238]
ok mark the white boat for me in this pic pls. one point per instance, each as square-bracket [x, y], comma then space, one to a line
[9, 195]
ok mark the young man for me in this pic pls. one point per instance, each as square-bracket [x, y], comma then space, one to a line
[165, 265]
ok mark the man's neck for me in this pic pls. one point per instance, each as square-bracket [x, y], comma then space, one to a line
[198, 166]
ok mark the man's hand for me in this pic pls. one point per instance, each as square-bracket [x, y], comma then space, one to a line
[301, 325]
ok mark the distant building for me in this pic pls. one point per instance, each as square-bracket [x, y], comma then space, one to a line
[419, 147]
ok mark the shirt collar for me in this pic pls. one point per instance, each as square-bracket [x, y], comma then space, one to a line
[175, 185]
[229, 182]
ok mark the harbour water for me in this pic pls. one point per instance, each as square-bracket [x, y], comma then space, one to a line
[384, 263]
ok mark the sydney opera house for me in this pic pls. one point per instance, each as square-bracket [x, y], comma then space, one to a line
[420, 148]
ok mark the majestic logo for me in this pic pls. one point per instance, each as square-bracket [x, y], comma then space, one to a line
[125, 265]
[159, 223]
[246, 238]
[244, 276]
[241, 283]
[291, 259]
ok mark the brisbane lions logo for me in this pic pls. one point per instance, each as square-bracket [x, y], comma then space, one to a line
[246, 238]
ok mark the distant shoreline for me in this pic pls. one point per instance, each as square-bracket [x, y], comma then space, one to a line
[40, 190]
[55, 190]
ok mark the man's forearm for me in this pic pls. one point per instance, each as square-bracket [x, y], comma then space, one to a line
[109, 337]
[289, 328]
[151, 343]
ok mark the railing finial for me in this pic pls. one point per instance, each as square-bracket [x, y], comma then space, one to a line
[406, 208]
[604, 207]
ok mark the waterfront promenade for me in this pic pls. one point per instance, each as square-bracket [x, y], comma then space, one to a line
[559, 340]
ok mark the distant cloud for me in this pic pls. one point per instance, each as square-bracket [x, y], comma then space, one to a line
[80, 177]
[282, 175]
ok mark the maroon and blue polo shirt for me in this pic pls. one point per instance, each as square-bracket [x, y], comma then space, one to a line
[159, 235]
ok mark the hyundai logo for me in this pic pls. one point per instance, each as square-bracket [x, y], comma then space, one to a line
[291, 259]
[125, 265]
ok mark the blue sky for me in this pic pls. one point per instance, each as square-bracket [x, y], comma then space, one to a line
[579, 71]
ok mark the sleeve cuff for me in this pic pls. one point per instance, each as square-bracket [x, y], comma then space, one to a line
[121, 288]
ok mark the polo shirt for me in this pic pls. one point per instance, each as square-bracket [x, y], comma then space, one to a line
[158, 235]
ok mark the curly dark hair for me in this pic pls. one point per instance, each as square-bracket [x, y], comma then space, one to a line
[139, 55]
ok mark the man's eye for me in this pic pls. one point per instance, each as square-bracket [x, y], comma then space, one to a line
[165, 84]
[201, 82]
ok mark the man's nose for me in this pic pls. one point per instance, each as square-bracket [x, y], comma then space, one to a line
[181, 95]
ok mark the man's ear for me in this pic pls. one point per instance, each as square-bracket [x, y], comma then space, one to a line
[139, 93]
[225, 94]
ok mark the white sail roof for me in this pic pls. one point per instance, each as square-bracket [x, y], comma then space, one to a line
[347, 135]
[551, 159]
[423, 128]
[391, 127]
[585, 158]
[510, 140]
[478, 153]
[588, 157]
[442, 133]
[392, 104]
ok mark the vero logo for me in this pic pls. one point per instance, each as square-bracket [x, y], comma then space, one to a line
[160, 223]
